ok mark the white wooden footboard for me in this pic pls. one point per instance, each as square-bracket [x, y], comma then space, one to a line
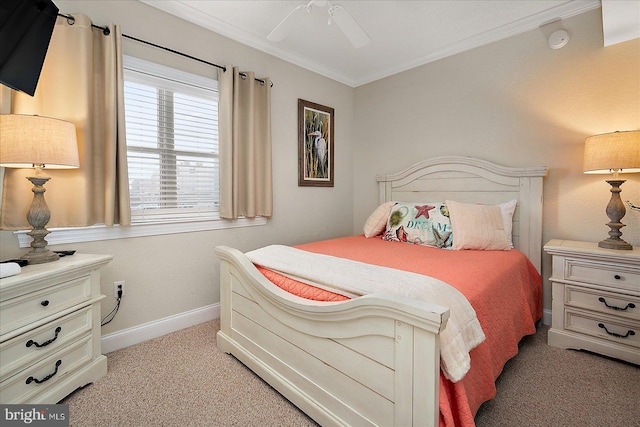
[373, 360]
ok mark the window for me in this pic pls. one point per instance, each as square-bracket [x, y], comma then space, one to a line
[172, 151]
[172, 143]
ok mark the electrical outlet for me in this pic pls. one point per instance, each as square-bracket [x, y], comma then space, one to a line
[118, 287]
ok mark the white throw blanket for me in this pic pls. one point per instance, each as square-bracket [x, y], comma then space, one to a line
[353, 278]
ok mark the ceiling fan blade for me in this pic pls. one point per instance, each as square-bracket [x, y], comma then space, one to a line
[349, 26]
[286, 25]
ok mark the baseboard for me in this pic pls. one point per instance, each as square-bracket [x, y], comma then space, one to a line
[157, 328]
[546, 317]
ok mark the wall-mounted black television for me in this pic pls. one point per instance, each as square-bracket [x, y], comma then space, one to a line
[25, 31]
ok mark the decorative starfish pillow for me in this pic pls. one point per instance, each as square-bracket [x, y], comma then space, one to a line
[420, 223]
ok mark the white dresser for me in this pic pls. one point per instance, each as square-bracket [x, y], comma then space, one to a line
[50, 329]
[596, 299]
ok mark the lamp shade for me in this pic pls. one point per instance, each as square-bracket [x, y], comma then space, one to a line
[27, 140]
[612, 152]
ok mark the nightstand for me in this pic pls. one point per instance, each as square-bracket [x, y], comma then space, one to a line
[50, 329]
[596, 299]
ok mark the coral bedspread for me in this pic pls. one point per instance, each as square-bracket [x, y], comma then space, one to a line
[502, 286]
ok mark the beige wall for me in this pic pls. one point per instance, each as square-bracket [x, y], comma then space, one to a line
[167, 275]
[518, 103]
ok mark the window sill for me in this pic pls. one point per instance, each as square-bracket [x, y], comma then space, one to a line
[95, 233]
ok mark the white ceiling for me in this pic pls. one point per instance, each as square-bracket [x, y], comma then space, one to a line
[404, 34]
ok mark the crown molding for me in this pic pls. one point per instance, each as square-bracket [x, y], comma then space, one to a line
[187, 12]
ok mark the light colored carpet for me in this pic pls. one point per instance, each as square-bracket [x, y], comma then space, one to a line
[182, 379]
[545, 386]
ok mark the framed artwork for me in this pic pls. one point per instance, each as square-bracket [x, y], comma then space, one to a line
[315, 144]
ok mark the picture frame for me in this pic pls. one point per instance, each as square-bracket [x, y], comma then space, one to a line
[315, 144]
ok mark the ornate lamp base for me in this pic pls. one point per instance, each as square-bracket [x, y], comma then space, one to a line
[615, 212]
[39, 254]
[38, 216]
[618, 244]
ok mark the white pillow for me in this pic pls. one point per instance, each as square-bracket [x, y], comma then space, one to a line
[377, 221]
[507, 209]
[477, 226]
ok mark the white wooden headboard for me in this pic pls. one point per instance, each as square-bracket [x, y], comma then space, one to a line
[470, 180]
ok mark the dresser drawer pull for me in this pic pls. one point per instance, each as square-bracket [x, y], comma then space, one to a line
[617, 277]
[613, 334]
[46, 343]
[613, 307]
[48, 377]
[44, 303]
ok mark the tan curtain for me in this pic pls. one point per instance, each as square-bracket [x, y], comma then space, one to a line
[81, 82]
[245, 145]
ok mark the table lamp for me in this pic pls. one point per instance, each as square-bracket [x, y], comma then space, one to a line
[616, 152]
[38, 142]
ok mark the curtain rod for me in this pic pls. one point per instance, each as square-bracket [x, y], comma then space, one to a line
[72, 20]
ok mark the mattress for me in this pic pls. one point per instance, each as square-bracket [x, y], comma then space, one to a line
[503, 287]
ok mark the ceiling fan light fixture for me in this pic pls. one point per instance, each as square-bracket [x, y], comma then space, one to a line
[337, 14]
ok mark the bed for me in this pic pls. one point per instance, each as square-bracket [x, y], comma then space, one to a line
[376, 359]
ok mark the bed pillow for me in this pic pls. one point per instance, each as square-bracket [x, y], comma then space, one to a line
[507, 209]
[477, 227]
[377, 221]
[420, 223]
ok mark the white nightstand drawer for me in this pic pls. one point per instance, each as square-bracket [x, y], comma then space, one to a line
[603, 327]
[20, 311]
[55, 305]
[36, 379]
[614, 304]
[596, 298]
[23, 350]
[602, 274]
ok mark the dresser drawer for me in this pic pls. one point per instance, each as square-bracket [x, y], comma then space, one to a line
[611, 303]
[25, 309]
[20, 352]
[602, 274]
[45, 374]
[604, 327]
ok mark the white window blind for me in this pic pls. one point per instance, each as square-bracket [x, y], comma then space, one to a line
[172, 150]
[172, 143]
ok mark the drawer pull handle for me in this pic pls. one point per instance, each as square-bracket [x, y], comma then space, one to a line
[45, 303]
[46, 343]
[47, 378]
[617, 277]
[613, 307]
[613, 334]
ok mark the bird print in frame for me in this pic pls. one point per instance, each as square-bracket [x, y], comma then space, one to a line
[315, 144]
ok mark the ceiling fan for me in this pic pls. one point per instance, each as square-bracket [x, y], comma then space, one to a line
[337, 14]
